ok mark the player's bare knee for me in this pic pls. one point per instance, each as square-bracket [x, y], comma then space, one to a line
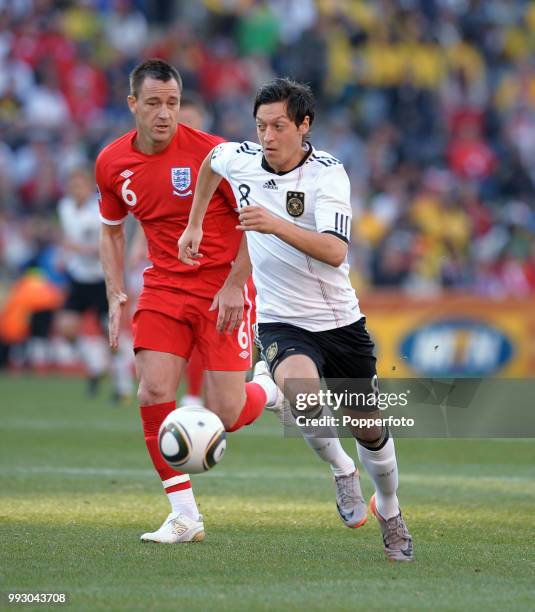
[298, 376]
[150, 392]
[303, 396]
[368, 434]
[364, 425]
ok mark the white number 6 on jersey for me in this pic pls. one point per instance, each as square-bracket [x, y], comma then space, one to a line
[243, 338]
[129, 196]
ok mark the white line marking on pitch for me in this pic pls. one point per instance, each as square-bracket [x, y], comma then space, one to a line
[431, 479]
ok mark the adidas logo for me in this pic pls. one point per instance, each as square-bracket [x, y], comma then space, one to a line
[271, 184]
[126, 173]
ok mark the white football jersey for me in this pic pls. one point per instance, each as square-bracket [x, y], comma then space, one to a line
[81, 226]
[293, 287]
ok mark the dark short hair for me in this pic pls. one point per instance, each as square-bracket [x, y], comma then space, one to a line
[298, 97]
[155, 69]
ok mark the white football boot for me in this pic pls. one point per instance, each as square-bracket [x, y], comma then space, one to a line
[177, 528]
[262, 376]
[349, 500]
[396, 537]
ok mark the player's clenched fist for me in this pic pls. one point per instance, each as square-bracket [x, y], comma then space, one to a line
[116, 303]
[188, 246]
[257, 219]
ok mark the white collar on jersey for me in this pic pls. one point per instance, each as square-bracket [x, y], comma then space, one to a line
[307, 146]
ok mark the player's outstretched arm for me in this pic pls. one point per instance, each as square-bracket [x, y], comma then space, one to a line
[188, 244]
[112, 243]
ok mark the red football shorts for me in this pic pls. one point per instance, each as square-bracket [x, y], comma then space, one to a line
[175, 322]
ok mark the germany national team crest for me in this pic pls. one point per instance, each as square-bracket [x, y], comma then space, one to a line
[181, 180]
[295, 203]
[272, 351]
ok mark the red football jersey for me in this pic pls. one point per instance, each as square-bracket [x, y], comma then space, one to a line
[158, 190]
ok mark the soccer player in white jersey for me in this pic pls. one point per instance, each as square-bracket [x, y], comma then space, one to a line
[294, 204]
[80, 224]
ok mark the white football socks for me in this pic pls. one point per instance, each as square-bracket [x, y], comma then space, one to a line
[183, 502]
[331, 451]
[382, 468]
[328, 449]
[270, 388]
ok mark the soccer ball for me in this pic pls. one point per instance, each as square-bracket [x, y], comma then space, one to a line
[192, 439]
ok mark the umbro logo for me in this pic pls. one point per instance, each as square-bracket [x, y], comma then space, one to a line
[244, 354]
[126, 173]
[179, 528]
[271, 184]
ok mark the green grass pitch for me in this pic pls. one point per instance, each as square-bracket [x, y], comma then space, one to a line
[77, 490]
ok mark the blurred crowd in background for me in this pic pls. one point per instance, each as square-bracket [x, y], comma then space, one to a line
[430, 104]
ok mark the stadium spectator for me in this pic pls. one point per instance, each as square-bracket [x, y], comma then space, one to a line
[126, 29]
[398, 79]
[86, 292]
[45, 105]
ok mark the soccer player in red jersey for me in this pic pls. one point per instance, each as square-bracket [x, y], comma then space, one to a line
[151, 172]
[194, 114]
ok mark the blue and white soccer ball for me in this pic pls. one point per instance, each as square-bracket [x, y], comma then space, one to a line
[192, 439]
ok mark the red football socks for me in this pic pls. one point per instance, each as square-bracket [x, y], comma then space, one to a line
[254, 404]
[152, 417]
